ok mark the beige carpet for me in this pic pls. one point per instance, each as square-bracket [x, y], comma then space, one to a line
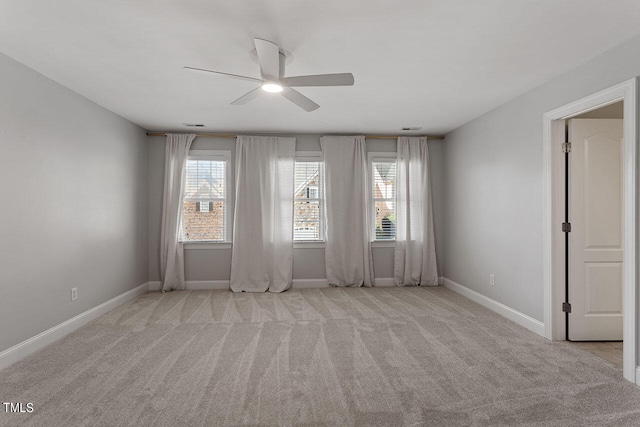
[382, 356]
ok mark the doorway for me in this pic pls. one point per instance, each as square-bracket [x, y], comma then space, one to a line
[554, 270]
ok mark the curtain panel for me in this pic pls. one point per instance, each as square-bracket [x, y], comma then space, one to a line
[171, 250]
[347, 211]
[262, 254]
[415, 254]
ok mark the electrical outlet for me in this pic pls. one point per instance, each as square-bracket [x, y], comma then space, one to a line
[74, 294]
[492, 279]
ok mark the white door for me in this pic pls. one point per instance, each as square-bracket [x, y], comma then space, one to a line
[595, 240]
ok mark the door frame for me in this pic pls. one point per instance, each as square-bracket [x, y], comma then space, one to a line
[553, 214]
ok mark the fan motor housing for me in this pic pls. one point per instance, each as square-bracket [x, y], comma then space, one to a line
[285, 58]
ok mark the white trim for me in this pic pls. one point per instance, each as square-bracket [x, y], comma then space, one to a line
[553, 271]
[308, 244]
[155, 286]
[195, 285]
[309, 283]
[638, 376]
[195, 245]
[497, 307]
[324, 283]
[554, 321]
[296, 284]
[33, 344]
[384, 282]
[201, 285]
[383, 244]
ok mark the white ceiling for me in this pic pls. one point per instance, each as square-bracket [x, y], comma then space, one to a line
[434, 64]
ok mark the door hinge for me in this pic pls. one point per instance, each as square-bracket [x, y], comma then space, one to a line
[566, 147]
[566, 227]
[566, 307]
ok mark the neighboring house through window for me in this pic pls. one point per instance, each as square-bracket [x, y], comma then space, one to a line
[308, 221]
[382, 167]
[206, 205]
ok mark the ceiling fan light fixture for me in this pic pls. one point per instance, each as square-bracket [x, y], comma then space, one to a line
[272, 87]
[272, 60]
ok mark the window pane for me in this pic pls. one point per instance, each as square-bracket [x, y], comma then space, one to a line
[384, 195]
[384, 178]
[385, 220]
[205, 179]
[306, 211]
[307, 179]
[307, 216]
[203, 212]
[307, 221]
[203, 225]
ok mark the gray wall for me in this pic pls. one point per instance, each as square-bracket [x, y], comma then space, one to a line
[493, 185]
[215, 264]
[73, 183]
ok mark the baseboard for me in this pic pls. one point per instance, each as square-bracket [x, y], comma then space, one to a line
[155, 285]
[224, 284]
[199, 285]
[324, 283]
[638, 376]
[309, 283]
[384, 282]
[195, 285]
[33, 344]
[204, 285]
[503, 310]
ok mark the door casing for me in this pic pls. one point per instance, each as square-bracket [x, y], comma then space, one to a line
[553, 214]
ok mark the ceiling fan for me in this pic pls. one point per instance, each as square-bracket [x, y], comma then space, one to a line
[272, 63]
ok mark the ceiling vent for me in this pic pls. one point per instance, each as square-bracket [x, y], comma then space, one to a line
[193, 125]
[412, 128]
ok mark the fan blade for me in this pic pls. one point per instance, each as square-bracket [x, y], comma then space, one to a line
[299, 99]
[224, 74]
[269, 58]
[343, 79]
[249, 96]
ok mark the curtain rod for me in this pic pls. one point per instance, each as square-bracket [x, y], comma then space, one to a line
[230, 135]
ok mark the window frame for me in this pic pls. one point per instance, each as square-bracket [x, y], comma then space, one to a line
[379, 156]
[312, 156]
[224, 155]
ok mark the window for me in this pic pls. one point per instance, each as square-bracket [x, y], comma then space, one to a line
[383, 170]
[308, 215]
[205, 207]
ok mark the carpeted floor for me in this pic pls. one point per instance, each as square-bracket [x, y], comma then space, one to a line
[334, 356]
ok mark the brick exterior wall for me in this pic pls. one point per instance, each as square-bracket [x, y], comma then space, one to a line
[203, 225]
[210, 225]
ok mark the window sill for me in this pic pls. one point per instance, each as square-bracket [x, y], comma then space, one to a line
[206, 245]
[308, 245]
[383, 244]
